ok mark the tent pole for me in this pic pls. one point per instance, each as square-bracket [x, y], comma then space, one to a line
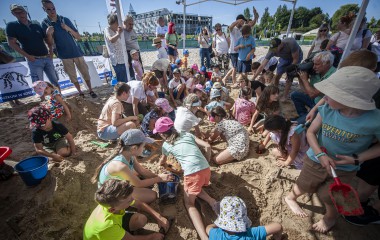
[184, 26]
[291, 18]
[122, 36]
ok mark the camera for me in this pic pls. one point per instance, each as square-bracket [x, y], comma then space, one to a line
[305, 66]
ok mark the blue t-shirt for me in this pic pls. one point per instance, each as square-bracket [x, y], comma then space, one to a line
[30, 37]
[214, 104]
[346, 136]
[66, 46]
[254, 233]
[187, 153]
[249, 44]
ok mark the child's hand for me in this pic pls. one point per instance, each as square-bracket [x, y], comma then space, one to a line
[326, 162]
[344, 160]
[57, 158]
[241, 46]
[261, 147]
[251, 130]
[163, 223]
[166, 177]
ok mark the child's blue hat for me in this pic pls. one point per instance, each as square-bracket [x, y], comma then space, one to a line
[178, 61]
[185, 51]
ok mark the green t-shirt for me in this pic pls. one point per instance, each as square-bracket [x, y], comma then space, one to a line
[172, 38]
[103, 225]
[317, 78]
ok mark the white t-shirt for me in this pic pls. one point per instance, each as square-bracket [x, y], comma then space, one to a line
[340, 39]
[137, 91]
[221, 43]
[173, 84]
[375, 47]
[115, 50]
[272, 61]
[162, 53]
[234, 36]
[185, 120]
[162, 30]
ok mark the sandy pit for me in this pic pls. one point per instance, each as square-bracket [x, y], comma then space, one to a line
[61, 204]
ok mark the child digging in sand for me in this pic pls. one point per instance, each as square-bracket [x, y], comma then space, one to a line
[50, 138]
[234, 224]
[184, 147]
[109, 220]
[346, 127]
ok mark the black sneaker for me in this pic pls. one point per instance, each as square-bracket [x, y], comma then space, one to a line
[370, 216]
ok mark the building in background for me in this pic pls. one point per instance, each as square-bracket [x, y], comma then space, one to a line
[145, 23]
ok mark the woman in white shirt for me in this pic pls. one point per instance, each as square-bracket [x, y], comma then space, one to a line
[112, 38]
[204, 44]
[322, 34]
[221, 43]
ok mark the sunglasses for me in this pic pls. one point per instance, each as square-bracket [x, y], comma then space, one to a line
[323, 30]
[50, 9]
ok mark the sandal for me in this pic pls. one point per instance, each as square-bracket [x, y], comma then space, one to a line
[93, 95]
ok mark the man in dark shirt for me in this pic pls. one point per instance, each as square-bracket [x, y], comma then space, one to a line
[32, 40]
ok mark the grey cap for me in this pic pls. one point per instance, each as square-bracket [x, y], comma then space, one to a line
[17, 6]
[134, 136]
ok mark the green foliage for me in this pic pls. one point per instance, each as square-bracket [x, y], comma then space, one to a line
[343, 10]
[247, 13]
[2, 35]
[265, 17]
[317, 20]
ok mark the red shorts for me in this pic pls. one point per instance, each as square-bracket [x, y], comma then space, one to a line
[193, 183]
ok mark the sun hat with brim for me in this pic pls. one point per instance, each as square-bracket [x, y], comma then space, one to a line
[214, 93]
[39, 87]
[38, 116]
[274, 43]
[202, 70]
[217, 85]
[233, 215]
[199, 87]
[17, 7]
[176, 70]
[351, 86]
[133, 51]
[156, 41]
[164, 104]
[162, 125]
[134, 136]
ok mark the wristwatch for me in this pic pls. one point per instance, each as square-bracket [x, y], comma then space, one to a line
[356, 160]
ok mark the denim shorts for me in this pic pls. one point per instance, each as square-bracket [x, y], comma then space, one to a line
[41, 65]
[234, 59]
[108, 133]
[172, 51]
[244, 66]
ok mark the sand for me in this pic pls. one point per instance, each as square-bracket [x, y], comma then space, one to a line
[59, 207]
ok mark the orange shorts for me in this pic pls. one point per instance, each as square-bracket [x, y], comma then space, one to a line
[193, 183]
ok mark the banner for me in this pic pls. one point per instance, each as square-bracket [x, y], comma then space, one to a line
[16, 83]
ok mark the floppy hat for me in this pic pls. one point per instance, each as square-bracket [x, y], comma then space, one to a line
[38, 116]
[156, 41]
[195, 67]
[134, 136]
[16, 6]
[214, 93]
[133, 51]
[39, 87]
[162, 124]
[351, 86]
[274, 43]
[176, 70]
[199, 87]
[164, 104]
[178, 61]
[217, 85]
[233, 215]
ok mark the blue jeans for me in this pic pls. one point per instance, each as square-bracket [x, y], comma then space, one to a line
[121, 72]
[205, 54]
[41, 65]
[301, 100]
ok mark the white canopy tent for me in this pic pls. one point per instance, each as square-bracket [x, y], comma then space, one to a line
[187, 3]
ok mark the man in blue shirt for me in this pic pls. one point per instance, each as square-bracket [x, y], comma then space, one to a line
[62, 32]
[32, 46]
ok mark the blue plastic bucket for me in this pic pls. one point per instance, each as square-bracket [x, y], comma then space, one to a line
[32, 170]
[168, 190]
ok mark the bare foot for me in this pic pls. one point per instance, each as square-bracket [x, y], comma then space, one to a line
[296, 209]
[324, 225]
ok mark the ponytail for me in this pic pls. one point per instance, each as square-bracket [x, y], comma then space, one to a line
[171, 135]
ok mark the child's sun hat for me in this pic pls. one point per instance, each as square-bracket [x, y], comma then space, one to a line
[164, 104]
[233, 215]
[185, 51]
[162, 125]
[214, 93]
[351, 86]
[195, 67]
[134, 136]
[39, 87]
[217, 85]
[38, 116]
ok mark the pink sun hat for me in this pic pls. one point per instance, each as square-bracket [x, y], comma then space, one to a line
[162, 125]
[164, 104]
[39, 87]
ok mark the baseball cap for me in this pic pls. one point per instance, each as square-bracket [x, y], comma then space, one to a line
[134, 136]
[178, 61]
[185, 51]
[162, 125]
[164, 104]
[133, 51]
[176, 70]
[241, 16]
[202, 70]
[17, 6]
[274, 43]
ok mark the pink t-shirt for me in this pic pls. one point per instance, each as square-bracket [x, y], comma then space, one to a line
[137, 67]
[244, 110]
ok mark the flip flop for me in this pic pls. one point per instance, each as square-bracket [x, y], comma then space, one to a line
[171, 221]
[93, 95]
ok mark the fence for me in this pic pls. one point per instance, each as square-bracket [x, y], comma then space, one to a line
[93, 48]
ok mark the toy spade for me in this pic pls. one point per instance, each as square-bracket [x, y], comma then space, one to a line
[302, 127]
[344, 197]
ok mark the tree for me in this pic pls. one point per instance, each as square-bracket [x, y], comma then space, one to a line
[301, 17]
[282, 16]
[247, 14]
[343, 10]
[317, 20]
[2, 35]
[265, 17]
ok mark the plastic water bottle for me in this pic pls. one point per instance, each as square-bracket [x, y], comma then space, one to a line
[113, 81]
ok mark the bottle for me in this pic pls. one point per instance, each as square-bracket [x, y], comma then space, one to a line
[302, 127]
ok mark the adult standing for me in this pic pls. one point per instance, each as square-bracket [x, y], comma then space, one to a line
[289, 52]
[131, 42]
[62, 32]
[171, 39]
[322, 34]
[204, 41]
[375, 48]
[112, 37]
[161, 30]
[32, 39]
[221, 44]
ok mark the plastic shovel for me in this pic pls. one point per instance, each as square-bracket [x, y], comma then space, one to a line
[344, 197]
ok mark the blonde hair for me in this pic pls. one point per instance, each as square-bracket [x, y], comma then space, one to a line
[112, 192]
[149, 78]
[190, 99]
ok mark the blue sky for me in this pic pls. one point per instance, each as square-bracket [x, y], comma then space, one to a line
[88, 13]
